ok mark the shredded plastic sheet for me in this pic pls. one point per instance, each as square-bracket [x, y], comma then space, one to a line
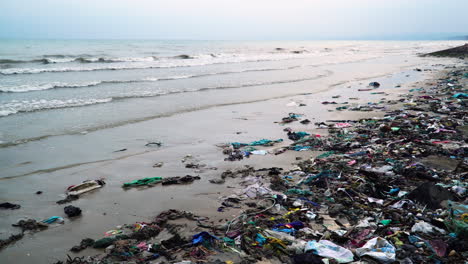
[298, 191]
[202, 238]
[343, 125]
[460, 95]
[328, 249]
[261, 142]
[325, 155]
[142, 182]
[54, 219]
[425, 227]
[302, 134]
[378, 248]
[302, 148]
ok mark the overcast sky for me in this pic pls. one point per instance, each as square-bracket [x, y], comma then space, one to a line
[233, 19]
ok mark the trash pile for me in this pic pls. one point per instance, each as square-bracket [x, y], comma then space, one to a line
[237, 150]
[384, 190]
[149, 182]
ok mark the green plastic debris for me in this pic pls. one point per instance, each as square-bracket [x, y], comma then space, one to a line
[386, 222]
[325, 155]
[395, 129]
[458, 221]
[261, 142]
[249, 149]
[298, 191]
[458, 227]
[302, 134]
[229, 241]
[142, 182]
[460, 95]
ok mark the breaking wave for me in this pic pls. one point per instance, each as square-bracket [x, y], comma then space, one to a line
[104, 64]
[45, 86]
[56, 85]
[17, 106]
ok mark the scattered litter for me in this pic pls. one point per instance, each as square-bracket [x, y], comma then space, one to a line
[9, 206]
[85, 187]
[153, 144]
[158, 165]
[72, 211]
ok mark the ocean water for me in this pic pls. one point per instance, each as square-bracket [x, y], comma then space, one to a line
[53, 87]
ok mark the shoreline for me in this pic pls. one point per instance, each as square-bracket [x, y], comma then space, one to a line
[29, 153]
[284, 159]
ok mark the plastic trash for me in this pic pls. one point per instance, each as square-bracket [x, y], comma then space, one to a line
[343, 125]
[298, 191]
[386, 222]
[255, 190]
[261, 142]
[386, 170]
[328, 249]
[460, 95]
[378, 248]
[259, 152]
[54, 219]
[296, 225]
[425, 227]
[297, 135]
[84, 187]
[301, 148]
[143, 182]
[325, 155]
[72, 211]
[375, 200]
[202, 238]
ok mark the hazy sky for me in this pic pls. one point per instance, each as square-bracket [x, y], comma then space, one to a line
[233, 19]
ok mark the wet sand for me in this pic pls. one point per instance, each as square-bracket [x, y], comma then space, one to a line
[195, 133]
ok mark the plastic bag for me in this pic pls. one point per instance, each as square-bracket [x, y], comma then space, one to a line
[328, 249]
[54, 219]
[378, 248]
[425, 227]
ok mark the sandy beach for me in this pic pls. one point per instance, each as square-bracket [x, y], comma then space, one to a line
[233, 132]
[74, 158]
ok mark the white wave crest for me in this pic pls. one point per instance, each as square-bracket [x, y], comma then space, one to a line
[44, 86]
[132, 63]
[16, 106]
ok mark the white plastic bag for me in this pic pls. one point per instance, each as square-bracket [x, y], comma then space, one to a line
[425, 227]
[378, 248]
[328, 249]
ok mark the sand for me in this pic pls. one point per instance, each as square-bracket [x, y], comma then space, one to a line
[195, 133]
